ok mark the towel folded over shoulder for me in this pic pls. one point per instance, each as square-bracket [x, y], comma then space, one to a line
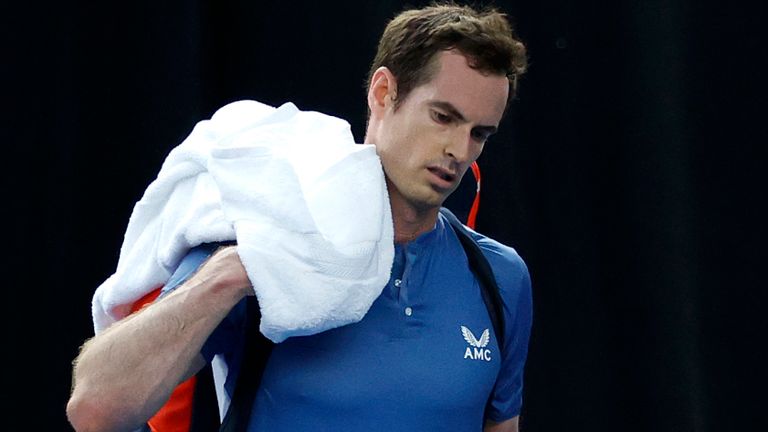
[307, 205]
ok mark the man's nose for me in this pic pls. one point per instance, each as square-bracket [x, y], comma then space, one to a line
[459, 146]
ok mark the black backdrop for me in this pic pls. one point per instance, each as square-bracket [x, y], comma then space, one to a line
[628, 174]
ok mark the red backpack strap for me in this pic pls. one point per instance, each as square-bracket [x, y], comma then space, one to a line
[472, 218]
[176, 414]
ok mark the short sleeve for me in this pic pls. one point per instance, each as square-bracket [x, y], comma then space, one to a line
[188, 266]
[507, 398]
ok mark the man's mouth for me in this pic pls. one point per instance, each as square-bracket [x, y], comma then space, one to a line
[443, 174]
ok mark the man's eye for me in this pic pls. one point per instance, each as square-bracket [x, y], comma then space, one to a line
[440, 117]
[480, 135]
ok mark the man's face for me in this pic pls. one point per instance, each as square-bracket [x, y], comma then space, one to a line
[427, 144]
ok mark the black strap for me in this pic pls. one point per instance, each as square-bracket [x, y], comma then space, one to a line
[205, 408]
[489, 289]
[257, 353]
[479, 265]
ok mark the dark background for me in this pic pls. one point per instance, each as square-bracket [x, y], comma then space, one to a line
[628, 174]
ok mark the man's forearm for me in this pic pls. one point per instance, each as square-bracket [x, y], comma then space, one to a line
[125, 374]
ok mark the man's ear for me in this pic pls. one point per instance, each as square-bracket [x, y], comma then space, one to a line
[382, 91]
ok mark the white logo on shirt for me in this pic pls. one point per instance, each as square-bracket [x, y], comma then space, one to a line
[476, 349]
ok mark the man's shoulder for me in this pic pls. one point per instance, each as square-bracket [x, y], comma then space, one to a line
[496, 251]
[508, 266]
[502, 258]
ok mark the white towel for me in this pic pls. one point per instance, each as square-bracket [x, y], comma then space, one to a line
[308, 208]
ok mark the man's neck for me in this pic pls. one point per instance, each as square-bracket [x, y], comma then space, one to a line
[410, 222]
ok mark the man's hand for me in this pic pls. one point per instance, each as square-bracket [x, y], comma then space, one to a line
[510, 425]
[127, 372]
[227, 271]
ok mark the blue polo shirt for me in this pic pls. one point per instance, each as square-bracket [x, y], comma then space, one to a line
[424, 358]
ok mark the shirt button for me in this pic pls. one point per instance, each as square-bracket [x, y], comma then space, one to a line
[398, 282]
[408, 311]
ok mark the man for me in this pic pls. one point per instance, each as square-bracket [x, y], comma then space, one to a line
[437, 90]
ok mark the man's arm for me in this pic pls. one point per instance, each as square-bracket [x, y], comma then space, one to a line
[126, 373]
[505, 426]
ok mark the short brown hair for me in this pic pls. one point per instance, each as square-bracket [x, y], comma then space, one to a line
[411, 40]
